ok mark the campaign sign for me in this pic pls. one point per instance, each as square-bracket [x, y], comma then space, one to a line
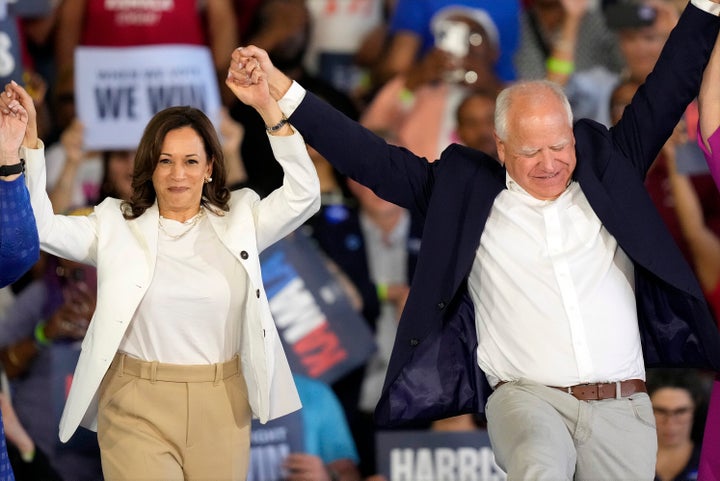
[10, 59]
[323, 335]
[270, 443]
[118, 89]
[424, 455]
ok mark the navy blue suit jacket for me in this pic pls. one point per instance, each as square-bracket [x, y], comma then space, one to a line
[433, 372]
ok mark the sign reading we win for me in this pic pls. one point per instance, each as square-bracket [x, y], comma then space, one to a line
[118, 89]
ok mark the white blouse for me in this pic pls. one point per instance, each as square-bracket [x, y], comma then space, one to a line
[191, 313]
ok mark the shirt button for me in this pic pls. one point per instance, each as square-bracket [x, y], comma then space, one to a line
[257, 293]
[244, 255]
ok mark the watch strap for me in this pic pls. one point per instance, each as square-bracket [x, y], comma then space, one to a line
[8, 170]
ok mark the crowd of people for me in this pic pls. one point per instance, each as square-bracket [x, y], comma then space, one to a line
[511, 189]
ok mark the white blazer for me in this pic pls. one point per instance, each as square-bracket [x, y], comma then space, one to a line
[125, 251]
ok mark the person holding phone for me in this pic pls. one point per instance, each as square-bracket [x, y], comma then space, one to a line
[417, 108]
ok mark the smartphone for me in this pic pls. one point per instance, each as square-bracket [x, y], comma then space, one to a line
[453, 37]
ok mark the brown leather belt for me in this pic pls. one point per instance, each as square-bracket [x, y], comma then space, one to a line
[601, 390]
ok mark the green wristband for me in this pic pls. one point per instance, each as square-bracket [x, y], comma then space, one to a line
[563, 67]
[40, 336]
[407, 97]
[382, 292]
[28, 457]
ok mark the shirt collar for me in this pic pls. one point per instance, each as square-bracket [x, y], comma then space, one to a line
[514, 187]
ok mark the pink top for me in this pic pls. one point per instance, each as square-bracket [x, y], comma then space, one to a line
[709, 469]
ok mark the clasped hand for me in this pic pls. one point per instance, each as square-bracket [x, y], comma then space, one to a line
[13, 123]
[247, 79]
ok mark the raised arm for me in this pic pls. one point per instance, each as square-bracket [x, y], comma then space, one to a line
[298, 198]
[393, 173]
[675, 81]
[709, 106]
[70, 237]
[18, 235]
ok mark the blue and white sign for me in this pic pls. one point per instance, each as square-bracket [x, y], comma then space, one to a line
[118, 89]
[270, 444]
[323, 334]
[425, 455]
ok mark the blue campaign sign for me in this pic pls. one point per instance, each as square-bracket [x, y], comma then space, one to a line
[270, 443]
[424, 455]
[323, 334]
[10, 57]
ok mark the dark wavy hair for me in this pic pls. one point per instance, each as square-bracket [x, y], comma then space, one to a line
[214, 194]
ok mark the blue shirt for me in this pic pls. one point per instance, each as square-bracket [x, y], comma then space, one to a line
[415, 16]
[19, 245]
[327, 434]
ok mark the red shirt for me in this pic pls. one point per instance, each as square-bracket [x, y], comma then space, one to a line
[123, 23]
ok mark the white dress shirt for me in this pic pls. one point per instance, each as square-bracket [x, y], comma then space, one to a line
[553, 294]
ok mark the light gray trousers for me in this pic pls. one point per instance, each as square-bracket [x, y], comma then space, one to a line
[540, 433]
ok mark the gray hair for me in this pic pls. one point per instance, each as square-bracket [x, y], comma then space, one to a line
[532, 87]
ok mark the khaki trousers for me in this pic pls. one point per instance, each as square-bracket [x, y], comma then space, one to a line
[167, 422]
[544, 434]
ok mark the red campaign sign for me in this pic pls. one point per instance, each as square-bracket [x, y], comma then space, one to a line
[323, 334]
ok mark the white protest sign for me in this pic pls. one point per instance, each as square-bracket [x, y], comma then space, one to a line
[118, 89]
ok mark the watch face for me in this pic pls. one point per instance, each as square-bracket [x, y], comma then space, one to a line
[7, 170]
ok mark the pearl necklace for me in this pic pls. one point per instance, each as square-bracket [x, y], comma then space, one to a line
[190, 223]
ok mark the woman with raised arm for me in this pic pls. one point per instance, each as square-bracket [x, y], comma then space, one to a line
[182, 349]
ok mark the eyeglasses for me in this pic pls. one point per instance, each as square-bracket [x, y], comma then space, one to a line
[665, 413]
